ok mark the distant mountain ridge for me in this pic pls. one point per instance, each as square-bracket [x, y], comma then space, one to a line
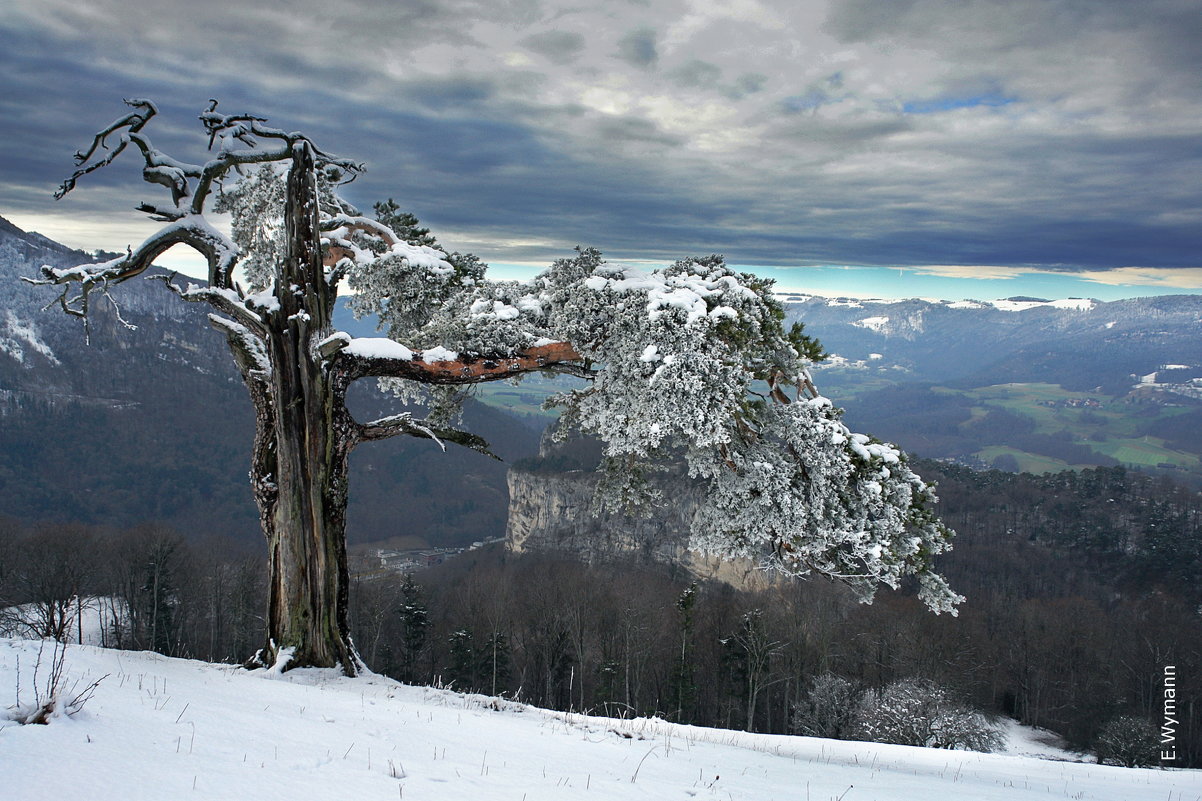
[939, 340]
[1021, 383]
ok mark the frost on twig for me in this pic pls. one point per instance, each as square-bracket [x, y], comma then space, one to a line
[239, 140]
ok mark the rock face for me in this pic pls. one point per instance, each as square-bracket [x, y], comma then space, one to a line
[550, 501]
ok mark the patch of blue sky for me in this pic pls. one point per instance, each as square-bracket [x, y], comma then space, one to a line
[937, 105]
[807, 101]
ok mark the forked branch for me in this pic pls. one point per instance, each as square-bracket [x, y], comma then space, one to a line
[192, 231]
[237, 139]
[405, 425]
[134, 121]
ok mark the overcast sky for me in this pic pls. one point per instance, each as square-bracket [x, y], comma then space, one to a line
[960, 137]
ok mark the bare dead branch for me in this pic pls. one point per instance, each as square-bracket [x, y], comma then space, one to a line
[247, 129]
[192, 231]
[194, 182]
[405, 424]
[117, 309]
[134, 121]
[226, 301]
[160, 215]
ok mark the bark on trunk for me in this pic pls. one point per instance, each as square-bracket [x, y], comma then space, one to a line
[307, 599]
[304, 439]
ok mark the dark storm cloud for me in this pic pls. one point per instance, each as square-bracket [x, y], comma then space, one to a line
[638, 48]
[917, 132]
[558, 47]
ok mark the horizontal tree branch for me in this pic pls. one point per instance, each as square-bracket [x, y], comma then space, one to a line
[193, 231]
[555, 357]
[404, 424]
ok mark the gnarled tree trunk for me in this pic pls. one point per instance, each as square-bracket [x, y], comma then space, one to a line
[295, 367]
[304, 440]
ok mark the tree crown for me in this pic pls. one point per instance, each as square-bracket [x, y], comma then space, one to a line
[689, 363]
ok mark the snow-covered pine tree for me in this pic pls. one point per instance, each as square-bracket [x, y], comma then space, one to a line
[690, 362]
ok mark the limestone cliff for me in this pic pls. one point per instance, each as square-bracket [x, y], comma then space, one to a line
[549, 511]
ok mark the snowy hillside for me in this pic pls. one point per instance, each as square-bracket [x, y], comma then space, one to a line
[160, 728]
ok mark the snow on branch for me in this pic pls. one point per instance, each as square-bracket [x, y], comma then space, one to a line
[237, 141]
[352, 240]
[193, 231]
[247, 311]
[246, 129]
[383, 358]
[405, 424]
[79, 282]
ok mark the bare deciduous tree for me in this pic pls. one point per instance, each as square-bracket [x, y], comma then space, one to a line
[54, 569]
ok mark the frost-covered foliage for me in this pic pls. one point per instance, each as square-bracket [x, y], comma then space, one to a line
[1129, 741]
[828, 709]
[692, 362]
[255, 204]
[256, 208]
[920, 712]
[405, 294]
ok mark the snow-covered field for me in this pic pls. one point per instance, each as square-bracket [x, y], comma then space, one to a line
[160, 728]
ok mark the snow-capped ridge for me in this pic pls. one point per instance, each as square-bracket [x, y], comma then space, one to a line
[1021, 305]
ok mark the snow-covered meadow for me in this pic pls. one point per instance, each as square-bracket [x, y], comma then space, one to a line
[161, 728]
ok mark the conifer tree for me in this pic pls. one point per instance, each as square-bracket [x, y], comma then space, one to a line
[689, 362]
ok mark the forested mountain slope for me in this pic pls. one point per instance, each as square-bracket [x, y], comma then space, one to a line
[1080, 588]
[126, 426]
